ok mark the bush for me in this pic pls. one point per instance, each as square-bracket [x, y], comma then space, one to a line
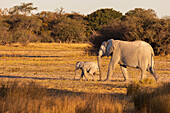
[156, 101]
[133, 88]
[69, 30]
[147, 81]
[114, 30]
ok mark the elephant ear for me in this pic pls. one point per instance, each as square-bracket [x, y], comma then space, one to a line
[110, 47]
[104, 44]
[102, 50]
[79, 65]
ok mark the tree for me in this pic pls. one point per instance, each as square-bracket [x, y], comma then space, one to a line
[101, 17]
[61, 27]
[145, 25]
[24, 8]
[5, 35]
[19, 25]
[69, 30]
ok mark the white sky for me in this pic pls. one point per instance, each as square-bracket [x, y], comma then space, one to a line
[161, 7]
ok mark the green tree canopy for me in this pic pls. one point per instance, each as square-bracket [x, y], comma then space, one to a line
[102, 16]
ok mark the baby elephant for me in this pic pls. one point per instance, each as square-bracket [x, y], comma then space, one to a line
[86, 67]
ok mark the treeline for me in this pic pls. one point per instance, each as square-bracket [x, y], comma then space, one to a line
[19, 24]
[137, 24]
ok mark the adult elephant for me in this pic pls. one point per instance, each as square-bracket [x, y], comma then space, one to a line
[137, 54]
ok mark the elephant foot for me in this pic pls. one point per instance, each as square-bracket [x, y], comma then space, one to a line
[81, 79]
[99, 79]
[107, 79]
[74, 78]
[85, 79]
[157, 79]
[126, 80]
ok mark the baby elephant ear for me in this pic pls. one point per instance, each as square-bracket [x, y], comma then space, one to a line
[79, 65]
[110, 47]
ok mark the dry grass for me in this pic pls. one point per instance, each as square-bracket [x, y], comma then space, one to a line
[153, 101]
[51, 66]
[33, 98]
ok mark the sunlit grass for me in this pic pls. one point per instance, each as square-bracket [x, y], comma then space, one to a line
[32, 97]
[62, 66]
[44, 46]
[52, 67]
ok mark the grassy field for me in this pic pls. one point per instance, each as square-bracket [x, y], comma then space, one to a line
[52, 67]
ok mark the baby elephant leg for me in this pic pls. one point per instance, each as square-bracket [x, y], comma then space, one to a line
[85, 73]
[82, 74]
[92, 72]
[92, 75]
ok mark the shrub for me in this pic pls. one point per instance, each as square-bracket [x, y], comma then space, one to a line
[156, 101]
[133, 88]
[147, 81]
[114, 30]
[69, 30]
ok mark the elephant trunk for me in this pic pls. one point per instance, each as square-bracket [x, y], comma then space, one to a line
[99, 65]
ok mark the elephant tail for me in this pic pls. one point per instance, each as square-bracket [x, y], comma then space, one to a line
[151, 68]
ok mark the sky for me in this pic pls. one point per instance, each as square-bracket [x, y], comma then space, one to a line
[161, 7]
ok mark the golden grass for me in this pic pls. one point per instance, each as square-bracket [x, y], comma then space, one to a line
[44, 46]
[52, 67]
[33, 98]
[152, 101]
[40, 64]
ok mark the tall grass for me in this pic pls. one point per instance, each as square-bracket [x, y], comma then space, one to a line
[149, 100]
[32, 98]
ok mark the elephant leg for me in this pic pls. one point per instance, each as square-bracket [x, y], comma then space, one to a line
[82, 73]
[85, 73]
[113, 61]
[143, 68]
[92, 74]
[125, 73]
[143, 73]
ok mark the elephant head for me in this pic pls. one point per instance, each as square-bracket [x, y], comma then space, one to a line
[106, 49]
[79, 65]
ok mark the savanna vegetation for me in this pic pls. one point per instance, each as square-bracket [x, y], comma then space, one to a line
[19, 24]
[38, 53]
[39, 78]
